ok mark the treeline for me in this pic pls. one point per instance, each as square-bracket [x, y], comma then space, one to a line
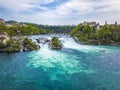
[107, 34]
[58, 28]
[28, 29]
[25, 28]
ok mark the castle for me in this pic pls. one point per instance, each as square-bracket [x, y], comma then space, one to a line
[95, 25]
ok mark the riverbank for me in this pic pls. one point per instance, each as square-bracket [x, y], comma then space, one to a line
[97, 42]
[29, 43]
[16, 44]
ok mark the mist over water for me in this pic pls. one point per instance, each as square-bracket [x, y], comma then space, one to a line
[75, 67]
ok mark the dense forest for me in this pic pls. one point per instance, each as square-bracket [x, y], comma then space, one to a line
[21, 30]
[107, 34]
[58, 28]
[33, 29]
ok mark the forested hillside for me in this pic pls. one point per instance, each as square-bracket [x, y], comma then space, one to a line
[107, 34]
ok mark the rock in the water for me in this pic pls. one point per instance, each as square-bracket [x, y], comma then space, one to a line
[47, 40]
[29, 45]
[11, 46]
[55, 43]
[38, 40]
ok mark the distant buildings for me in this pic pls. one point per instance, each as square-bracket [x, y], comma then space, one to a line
[9, 25]
[2, 21]
[12, 23]
[89, 23]
[95, 25]
[115, 24]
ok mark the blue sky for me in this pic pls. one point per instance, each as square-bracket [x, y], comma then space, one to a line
[55, 12]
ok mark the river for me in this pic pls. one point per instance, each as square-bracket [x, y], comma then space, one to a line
[75, 67]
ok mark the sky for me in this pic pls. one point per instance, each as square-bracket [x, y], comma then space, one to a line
[60, 12]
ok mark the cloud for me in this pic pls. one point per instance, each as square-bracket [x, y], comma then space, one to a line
[67, 12]
[108, 5]
[78, 7]
[23, 5]
[75, 7]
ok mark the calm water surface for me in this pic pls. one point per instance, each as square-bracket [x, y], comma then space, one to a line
[75, 67]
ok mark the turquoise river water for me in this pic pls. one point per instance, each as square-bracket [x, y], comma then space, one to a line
[75, 67]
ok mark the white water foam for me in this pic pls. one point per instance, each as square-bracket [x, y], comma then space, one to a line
[62, 63]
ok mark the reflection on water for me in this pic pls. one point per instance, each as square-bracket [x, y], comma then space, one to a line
[75, 67]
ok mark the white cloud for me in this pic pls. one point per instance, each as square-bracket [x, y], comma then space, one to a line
[79, 7]
[23, 5]
[75, 7]
[108, 5]
[72, 11]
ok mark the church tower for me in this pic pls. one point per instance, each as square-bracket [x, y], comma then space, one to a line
[106, 22]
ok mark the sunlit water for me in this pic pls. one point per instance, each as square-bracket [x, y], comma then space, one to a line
[75, 67]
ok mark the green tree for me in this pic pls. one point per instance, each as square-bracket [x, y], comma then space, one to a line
[74, 31]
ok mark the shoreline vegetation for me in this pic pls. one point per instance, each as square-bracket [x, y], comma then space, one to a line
[16, 44]
[104, 35]
[12, 35]
[19, 43]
